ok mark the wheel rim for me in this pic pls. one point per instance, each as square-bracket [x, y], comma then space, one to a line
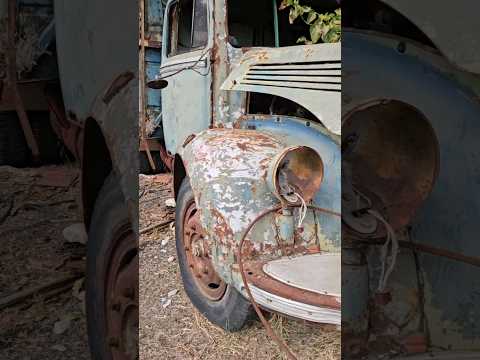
[198, 257]
[121, 297]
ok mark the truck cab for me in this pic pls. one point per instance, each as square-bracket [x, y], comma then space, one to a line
[251, 122]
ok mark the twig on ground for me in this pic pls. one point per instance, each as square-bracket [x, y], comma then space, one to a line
[47, 288]
[156, 226]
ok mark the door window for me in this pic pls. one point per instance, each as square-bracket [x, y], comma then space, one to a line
[188, 26]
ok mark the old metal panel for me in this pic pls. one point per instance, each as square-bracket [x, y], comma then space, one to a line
[297, 131]
[303, 272]
[460, 46]
[98, 56]
[228, 169]
[153, 59]
[93, 48]
[186, 107]
[154, 19]
[289, 84]
[269, 71]
[375, 71]
[295, 308]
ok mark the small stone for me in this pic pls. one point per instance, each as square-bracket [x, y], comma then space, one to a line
[77, 289]
[59, 348]
[164, 242]
[167, 303]
[172, 293]
[170, 203]
[61, 326]
[171, 259]
[75, 233]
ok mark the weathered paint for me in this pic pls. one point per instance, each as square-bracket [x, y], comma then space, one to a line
[283, 72]
[153, 59]
[186, 109]
[459, 47]
[228, 169]
[88, 38]
[227, 153]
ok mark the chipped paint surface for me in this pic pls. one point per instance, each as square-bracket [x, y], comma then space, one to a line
[283, 72]
[228, 170]
[228, 159]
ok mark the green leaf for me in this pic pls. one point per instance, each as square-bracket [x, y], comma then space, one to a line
[303, 39]
[325, 27]
[311, 17]
[295, 12]
[316, 31]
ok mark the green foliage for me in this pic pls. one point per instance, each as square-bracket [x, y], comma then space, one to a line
[325, 27]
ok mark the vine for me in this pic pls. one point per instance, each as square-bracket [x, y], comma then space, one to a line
[325, 27]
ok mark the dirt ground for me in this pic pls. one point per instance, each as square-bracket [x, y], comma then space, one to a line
[171, 328]
[36, 205]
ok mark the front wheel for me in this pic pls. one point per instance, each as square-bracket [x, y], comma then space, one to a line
[219, 302]
[112, 278]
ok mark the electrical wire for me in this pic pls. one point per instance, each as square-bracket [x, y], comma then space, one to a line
[391, 242]
[191, 67]
[281, 343]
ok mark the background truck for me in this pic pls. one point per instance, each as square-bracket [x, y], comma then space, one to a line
[409, 157]
[71, 67]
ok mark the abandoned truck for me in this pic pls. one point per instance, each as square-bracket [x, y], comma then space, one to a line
[80, 80]
[251, 127]
[410, 193]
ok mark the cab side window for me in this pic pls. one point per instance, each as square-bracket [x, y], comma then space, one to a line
[188, 26]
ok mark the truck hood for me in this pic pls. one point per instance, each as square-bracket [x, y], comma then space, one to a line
[309, 75]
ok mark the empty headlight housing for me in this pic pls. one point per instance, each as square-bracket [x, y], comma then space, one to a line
[295, 172]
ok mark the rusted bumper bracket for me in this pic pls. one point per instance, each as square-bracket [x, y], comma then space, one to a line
[276, 295]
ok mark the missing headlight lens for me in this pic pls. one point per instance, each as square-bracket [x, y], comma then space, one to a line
[295, 174]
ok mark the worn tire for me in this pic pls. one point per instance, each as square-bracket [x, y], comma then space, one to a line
[232, 312]
[110, 218]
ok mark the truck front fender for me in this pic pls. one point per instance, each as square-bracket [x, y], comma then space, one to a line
[228, 171]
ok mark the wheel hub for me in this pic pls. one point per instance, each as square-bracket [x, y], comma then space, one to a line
[122, 299]
[198, 256]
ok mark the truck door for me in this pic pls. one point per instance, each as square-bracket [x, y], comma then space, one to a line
[186, 101]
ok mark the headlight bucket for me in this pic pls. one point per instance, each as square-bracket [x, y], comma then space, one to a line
[299, 167]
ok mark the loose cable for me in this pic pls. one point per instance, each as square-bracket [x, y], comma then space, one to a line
[281, 343]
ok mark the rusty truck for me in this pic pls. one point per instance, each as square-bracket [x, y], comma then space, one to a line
[251, 125]
[253, 133]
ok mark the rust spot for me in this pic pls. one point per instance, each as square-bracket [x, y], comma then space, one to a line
[257, 277]
[188, 140]
[118, 84]
[221, 229]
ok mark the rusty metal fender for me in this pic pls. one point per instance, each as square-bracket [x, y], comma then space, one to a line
[117, 118]
[228, 173]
